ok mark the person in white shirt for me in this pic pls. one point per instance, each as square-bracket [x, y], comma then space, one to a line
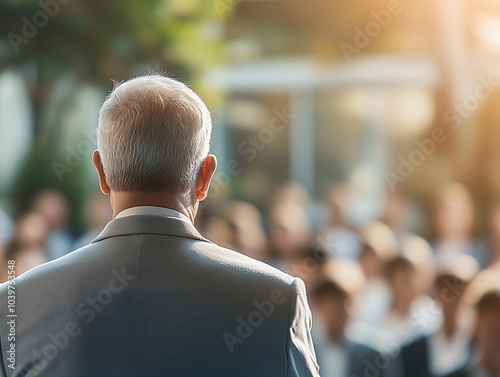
[338, 354]
[449, 348]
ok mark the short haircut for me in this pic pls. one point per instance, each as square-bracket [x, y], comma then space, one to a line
[153, 135]
[398, 263]
[329, 289]
[314, 254]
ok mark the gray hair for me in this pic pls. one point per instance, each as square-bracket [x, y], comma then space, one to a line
[153, 135]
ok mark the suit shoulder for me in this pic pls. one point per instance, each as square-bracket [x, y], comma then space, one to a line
[235, 262]
[68, 265]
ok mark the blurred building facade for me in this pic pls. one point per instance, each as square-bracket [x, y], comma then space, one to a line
[394, 95]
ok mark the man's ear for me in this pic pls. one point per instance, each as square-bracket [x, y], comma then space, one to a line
[205, 176]
[96, 159]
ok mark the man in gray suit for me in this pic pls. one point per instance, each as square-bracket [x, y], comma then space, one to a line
[150, 296]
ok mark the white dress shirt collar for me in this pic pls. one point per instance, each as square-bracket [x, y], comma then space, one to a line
[152, 211]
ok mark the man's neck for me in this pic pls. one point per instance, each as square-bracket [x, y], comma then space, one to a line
[128, 199]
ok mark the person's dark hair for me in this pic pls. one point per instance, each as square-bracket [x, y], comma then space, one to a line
[328, 289]
[490, 299]
[397, 263]
[441, 280]
[316, 253]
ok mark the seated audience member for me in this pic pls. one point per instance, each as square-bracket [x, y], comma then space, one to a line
[289, 233]
[410, 314]
[338, 356]
[379, 246]
[483, 293]
[449, 348]
[53, 205]
[453, 217]
[420, 253]
[99, 213]
[339, 237]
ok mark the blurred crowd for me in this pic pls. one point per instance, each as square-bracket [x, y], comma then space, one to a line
[385, 301]
[43, 233]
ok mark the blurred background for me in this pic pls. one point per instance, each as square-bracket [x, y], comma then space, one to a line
[349, 132]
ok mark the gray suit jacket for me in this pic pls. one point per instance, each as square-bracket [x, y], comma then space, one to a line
[151, 297]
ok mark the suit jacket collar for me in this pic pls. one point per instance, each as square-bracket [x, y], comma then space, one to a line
[139, 224]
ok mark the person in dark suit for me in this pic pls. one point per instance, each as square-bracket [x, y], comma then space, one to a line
[450, 348]
[485, 293]
[338, 356]
[150, 296]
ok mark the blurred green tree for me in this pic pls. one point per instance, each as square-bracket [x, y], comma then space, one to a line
[95, 42]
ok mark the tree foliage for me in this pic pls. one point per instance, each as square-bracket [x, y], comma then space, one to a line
[95, 42]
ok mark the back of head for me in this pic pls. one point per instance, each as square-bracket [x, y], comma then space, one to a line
[153, 135]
